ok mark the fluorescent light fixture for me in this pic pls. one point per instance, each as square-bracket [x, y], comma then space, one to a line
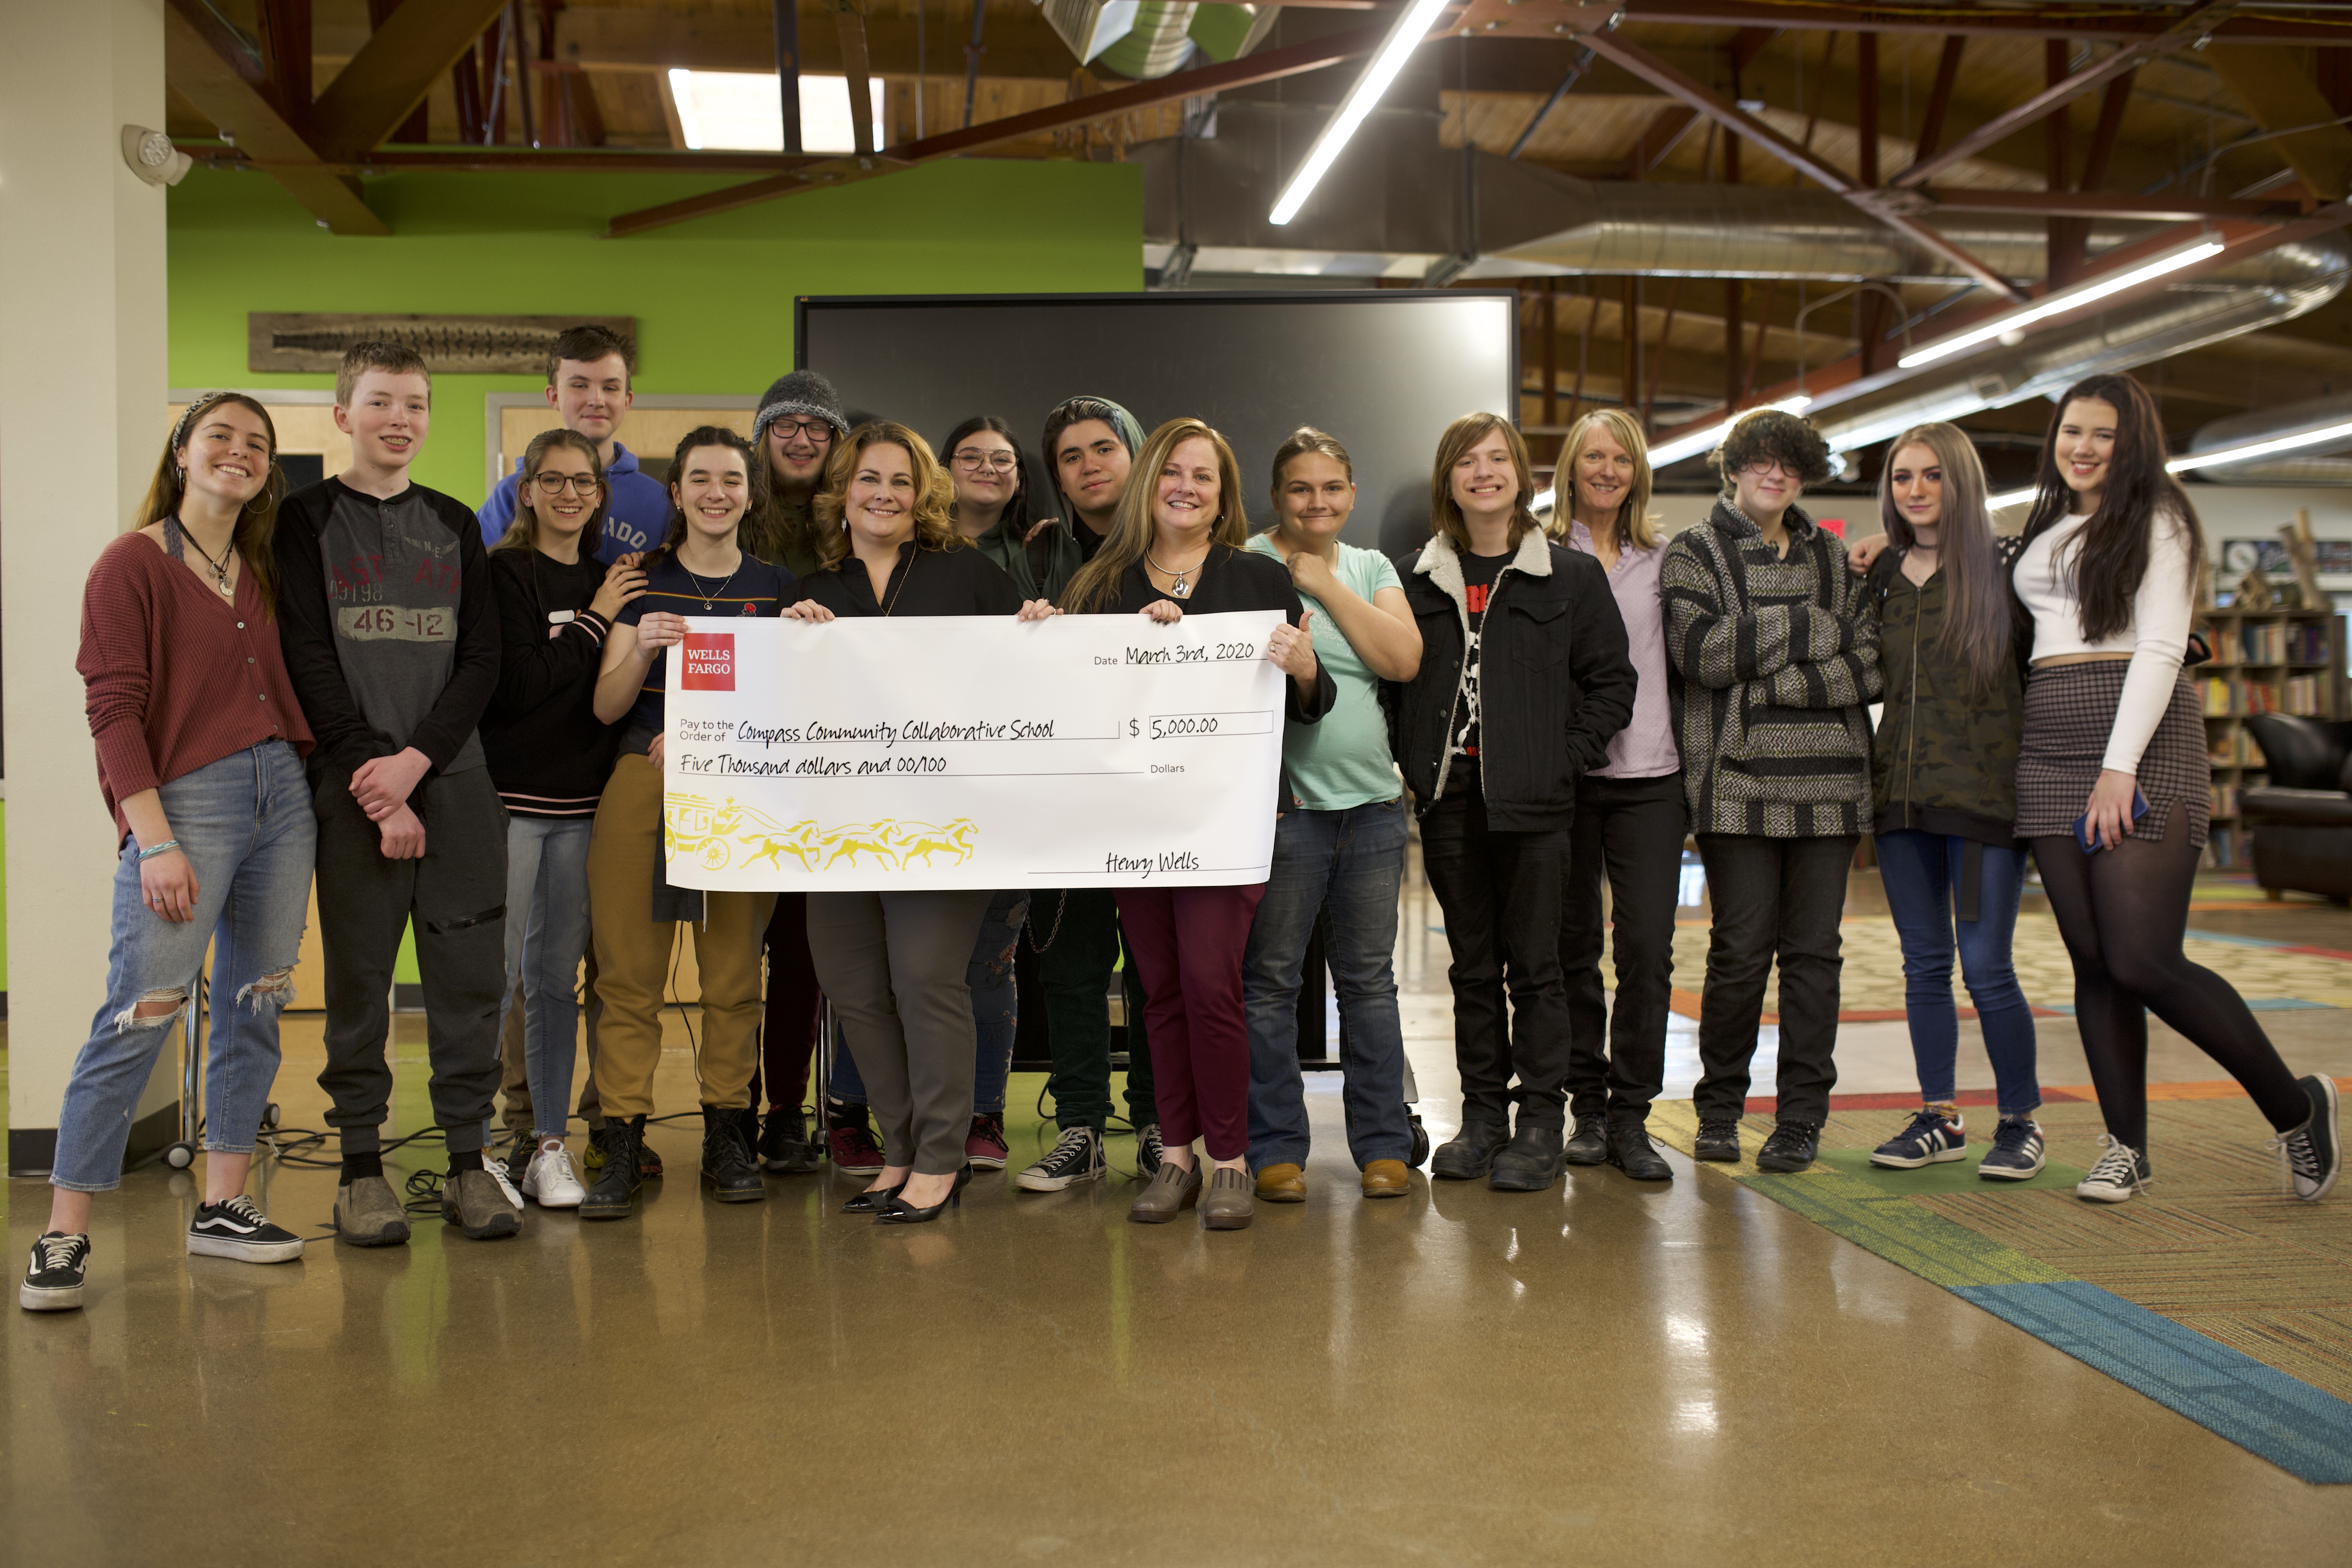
[2327, 433]
[2064, 299]
[2008, 498]
[1362, 98]
[743, 111]
[1540, 501]
[1682, 447]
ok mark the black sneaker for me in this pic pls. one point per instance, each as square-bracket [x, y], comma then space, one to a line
[238, 1229]
[2120, 1173]
[1717, 1140]
[1076, 1157]
[2311, 1155]
[53, 1278]
[519, 1159]
[1589, 1144]
[784, 1146]
[1148, 1150]
[1792, 1147]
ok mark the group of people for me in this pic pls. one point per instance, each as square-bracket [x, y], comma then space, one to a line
[457, 724]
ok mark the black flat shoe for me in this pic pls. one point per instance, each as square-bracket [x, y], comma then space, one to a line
[873, 1200]
[897, 1211]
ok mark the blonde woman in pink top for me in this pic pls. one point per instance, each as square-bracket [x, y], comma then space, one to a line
[1630, 816]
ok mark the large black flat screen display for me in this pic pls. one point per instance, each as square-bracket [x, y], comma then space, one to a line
[1383, 371]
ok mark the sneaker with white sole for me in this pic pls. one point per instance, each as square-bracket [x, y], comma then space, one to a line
[1931, 1139]
[497, 1171]
[238, 1229]
[2121, 1173]
[551, 1180]
[1076, 1157]
[53, 1278]
[2312, 1156]
[2016, 1154]
[1148, 1150]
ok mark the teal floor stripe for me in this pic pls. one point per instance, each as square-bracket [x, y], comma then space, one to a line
[2304, 1430]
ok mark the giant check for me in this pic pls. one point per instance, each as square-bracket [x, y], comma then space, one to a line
[972, 751]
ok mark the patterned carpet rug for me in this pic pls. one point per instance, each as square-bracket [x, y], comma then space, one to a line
[2215, 1293]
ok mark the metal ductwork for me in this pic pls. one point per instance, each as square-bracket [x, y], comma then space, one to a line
[2312, 465]
[1148, 38]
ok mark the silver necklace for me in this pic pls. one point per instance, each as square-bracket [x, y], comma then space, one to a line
[1177, 587]
[709, 593]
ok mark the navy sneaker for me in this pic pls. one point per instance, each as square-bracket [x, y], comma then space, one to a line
[1930, 1139]
[53, 1279]
[2016, 1152]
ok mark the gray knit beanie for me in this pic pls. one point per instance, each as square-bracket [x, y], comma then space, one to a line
[803, 392]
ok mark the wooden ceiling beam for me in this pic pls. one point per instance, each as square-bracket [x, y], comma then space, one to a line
[221, 90]
[2274, 89]
[2123, 60]
[1266, 65]
[2071, 21]
[393, 70]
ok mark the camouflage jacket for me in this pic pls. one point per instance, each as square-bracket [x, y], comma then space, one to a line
[1944, 760]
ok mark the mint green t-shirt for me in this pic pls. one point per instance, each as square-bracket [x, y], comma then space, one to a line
[1343, 760]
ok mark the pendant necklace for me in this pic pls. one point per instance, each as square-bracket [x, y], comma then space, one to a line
[219, 568]
[707, 595]
[1177, 587]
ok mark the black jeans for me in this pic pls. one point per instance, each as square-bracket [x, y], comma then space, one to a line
[1076, 935]
[457, 896]
[1771, 895]
[1629, 832]
[1500, 893]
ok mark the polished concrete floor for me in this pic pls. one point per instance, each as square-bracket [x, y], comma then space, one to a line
[1603, 1373]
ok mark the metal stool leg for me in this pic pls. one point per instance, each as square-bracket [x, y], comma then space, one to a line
[182, 1154]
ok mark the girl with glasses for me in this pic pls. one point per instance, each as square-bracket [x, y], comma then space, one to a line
[550, 757]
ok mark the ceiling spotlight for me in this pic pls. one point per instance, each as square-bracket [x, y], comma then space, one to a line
[152, 157]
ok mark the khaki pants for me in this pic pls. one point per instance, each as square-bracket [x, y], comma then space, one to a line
[633, 955]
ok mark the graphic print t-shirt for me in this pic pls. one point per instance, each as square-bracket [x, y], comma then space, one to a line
[393, 583]
[755, 588]
[1479, 574]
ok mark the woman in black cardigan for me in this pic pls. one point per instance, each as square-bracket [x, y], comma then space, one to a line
[894, 964]
[1177, 546]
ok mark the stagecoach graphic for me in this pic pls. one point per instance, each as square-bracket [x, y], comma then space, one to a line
[709, 831]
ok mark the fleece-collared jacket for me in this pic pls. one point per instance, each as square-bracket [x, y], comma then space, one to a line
[1778, 662]
[1555, 681]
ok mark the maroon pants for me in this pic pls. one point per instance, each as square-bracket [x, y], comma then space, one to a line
[1187, 943]
[787, 1038]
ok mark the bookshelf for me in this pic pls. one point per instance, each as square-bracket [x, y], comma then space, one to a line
[2268, 660]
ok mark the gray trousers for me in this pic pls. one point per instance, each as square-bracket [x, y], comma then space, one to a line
[892, 965]
[458, 896]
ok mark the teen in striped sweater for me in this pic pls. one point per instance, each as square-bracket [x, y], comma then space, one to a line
[1775, 664]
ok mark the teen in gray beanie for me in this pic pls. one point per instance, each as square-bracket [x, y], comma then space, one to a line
[805, 392]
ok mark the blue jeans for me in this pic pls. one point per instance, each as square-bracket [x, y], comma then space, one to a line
[989, 975]
[1922, 874]
[1350, 863]
[246, 827]
[547, 933]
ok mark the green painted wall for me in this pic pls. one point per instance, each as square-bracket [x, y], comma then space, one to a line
[713, 298]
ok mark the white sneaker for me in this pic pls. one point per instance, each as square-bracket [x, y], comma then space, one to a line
[2122, 1173]
[552, 1180]
[498, 1170]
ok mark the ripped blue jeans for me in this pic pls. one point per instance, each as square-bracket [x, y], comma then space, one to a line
[246, 825]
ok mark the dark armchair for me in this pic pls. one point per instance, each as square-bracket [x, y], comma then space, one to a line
[2301, 817]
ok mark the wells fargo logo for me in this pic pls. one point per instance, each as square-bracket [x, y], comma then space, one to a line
[717, 833]
[709, 662]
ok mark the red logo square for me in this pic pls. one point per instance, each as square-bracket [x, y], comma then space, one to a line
[709, 662]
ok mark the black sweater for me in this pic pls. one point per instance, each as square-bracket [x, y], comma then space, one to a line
[307, 605]
[549, 756]
[1232, 580]
[958, 581]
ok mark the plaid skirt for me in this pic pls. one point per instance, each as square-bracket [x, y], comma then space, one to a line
[2068, 710]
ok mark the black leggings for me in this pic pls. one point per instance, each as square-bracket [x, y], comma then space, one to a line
[2123, 912]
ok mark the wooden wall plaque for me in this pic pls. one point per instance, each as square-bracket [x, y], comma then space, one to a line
[315, 341]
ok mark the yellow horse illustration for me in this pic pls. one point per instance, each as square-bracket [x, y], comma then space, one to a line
[800, 840]
[922, 839]
[875, 839]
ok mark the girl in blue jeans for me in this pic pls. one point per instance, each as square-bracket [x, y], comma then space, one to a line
[200, 746]
[1943, 781]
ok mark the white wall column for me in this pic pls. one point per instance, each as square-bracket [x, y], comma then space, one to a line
[82, 379]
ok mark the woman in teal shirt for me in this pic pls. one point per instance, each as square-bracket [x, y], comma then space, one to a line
[1342, 847]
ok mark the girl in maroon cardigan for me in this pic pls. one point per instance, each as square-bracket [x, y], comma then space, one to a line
[199, 757]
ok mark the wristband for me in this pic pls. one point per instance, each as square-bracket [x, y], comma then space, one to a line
[169, 844]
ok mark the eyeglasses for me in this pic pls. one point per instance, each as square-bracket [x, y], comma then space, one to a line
[1003, 462]
[556, 484]
[1760, 466]
[815, 430]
